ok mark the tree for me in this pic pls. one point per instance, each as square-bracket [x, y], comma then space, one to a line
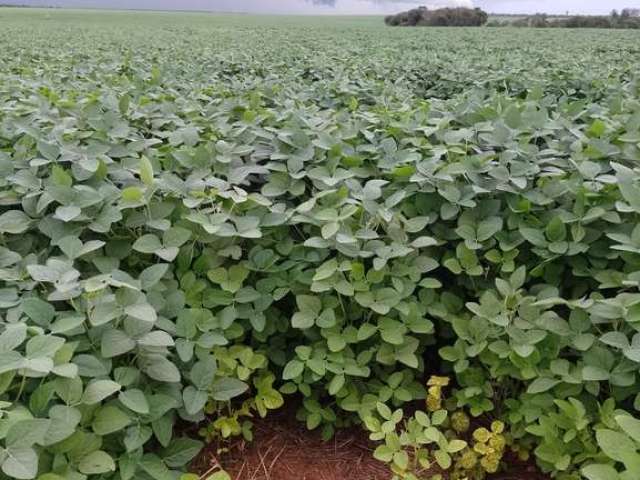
[442, 17]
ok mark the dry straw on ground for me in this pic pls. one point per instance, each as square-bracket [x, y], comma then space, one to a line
[283, 449]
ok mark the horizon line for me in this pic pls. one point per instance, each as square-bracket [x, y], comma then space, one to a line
[275, 14]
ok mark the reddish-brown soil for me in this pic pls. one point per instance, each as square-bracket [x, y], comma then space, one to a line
[283, 449]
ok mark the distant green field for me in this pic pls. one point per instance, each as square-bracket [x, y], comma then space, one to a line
[423, 61]
[203, 217]
[142, 17]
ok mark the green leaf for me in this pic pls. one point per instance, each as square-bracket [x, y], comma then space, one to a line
[63, 423]
[383, 453]
[181, 451]
[163, 429]
[147, 244]
[310, 308]
[303, 320]
[488, 228]
[96, 462]
[556, 231]
[194, 400]
[38, 310]
[600, 472]
[365, 331]
[108, 420]
[176, 237]
[221, 475]
[26, 433]
[49, 150]
[456, 445]
[542, 384]
[142, 311]
[325, 270]
[68, 212]
[161, 369]
[60, 176]
[615, 445]
[597, 128]
[337, 382]
[12, 337]
[156, 338]
[69, 389]
[630, 426]
[534, 236]
[203, 372]
[67, 324]
[136, 436]
[135, 400]
[292, 370]
[115, 343]
[401, 459]
[439, 417]
[99, 390]
[14, 221]
[150, 276]
[155, 468]
[615, 339]
[594, 373]
[132, 194]
[146, 171]
[43, 346]
[20, 463]
[230, 280]
[225, 389]
[309, 304]
[443, 459]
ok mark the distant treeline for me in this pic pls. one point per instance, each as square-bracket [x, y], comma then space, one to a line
[475, 17]
[442, 17]
[627, 18]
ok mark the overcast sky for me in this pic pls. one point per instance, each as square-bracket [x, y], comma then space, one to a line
[347, 6]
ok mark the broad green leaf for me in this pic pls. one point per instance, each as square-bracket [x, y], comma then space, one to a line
[615, 444]
[142, 311]
[225, 389]
[154, 467]
[194, 400]
[146, 171]
[132, 194]
[600, 472]
[108, 420]
[26, 433]
[292, 370]
[221, 475]
[98, 390]
[180, 452]
[96, 463]
[630, 425]
[135, 400]
[203, 372]
[542, 384]
[20, 463]
[14, 221]
[161, 369]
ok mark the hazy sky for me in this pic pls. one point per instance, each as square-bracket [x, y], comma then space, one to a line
[347, 6]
